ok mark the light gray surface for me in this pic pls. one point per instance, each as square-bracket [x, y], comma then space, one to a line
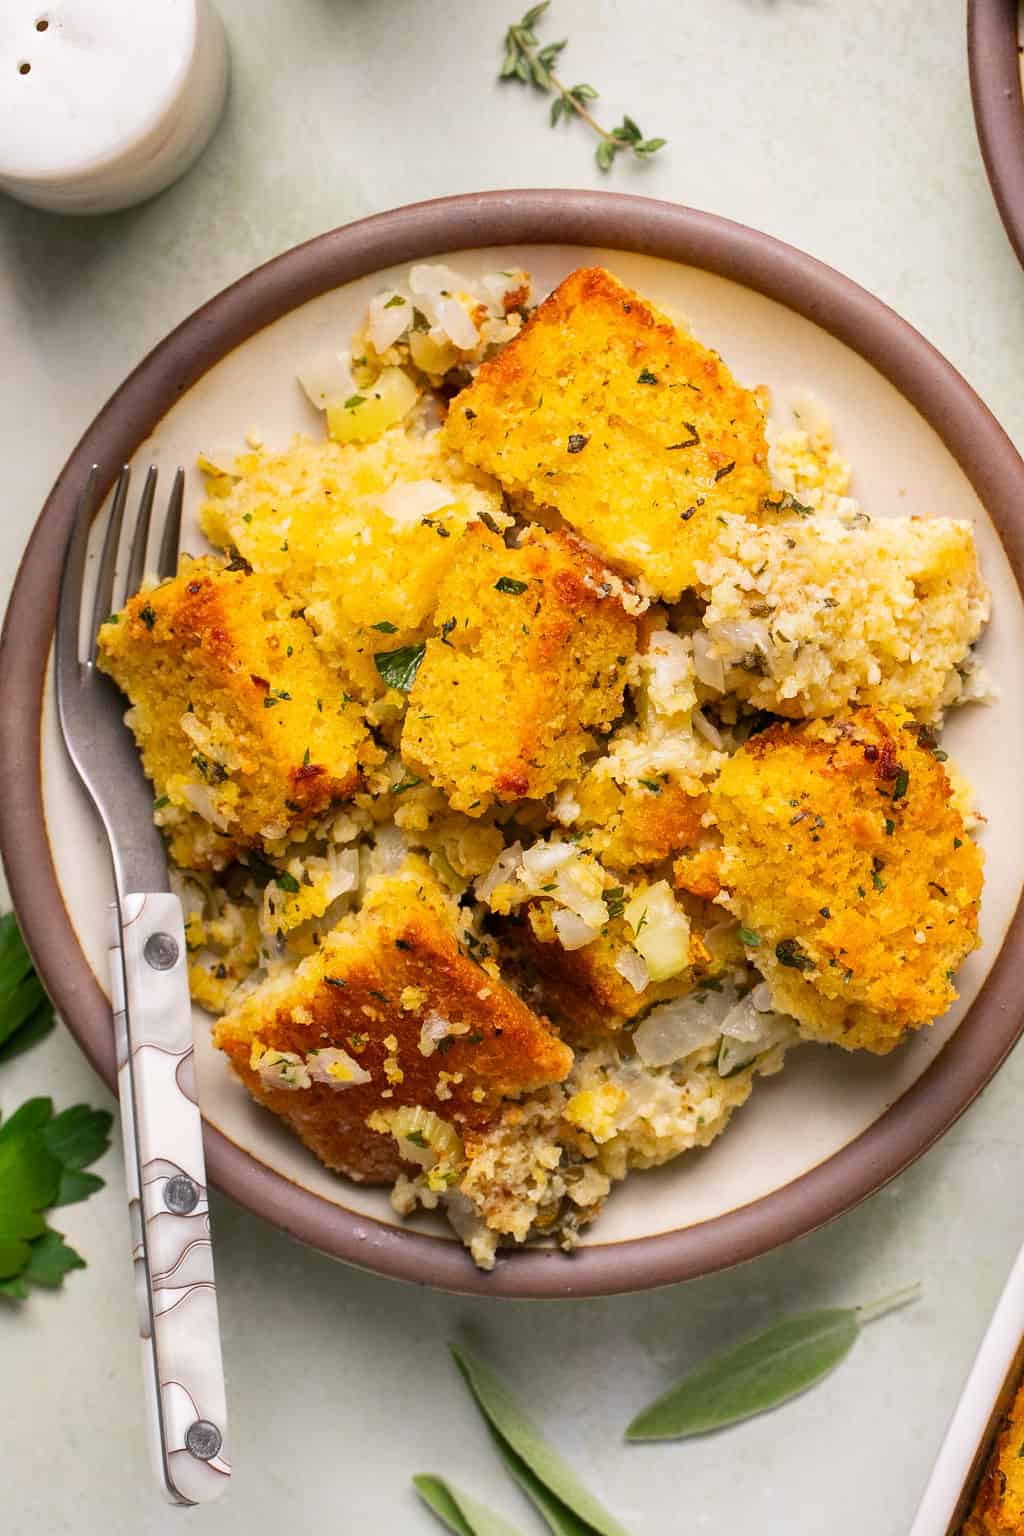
[843, 128]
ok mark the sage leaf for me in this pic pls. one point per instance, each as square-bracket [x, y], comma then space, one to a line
[759, 1373]
[513, 1427]
[558, 1516]
[399, 668]
[460, 1513]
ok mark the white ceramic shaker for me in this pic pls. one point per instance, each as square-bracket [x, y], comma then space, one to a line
[105, 102]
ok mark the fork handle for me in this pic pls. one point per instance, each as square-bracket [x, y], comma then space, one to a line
[168, 1199]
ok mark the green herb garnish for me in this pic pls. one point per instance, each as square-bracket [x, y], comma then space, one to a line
[900, 787]
[386, 627]
[788, 952]
[511, 585]
[760, 1373]
[645, 376]
[42, 1161]
[147, 616]
[398, 668]
[526, 61]
[394, 301]
[652, 784]
[26, 1013]
[749, 937]
[417, 1138]
[353, 401]
[411, 783]
[287, 883]
[518, 1438]
[577, 442]
[457, 1511]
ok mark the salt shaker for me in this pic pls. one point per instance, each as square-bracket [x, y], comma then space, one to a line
[105, 102]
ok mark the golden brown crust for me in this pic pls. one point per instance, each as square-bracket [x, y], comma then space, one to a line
[377, 981]
[637, 825]
[845, 853]
[232, 699]
[531, 659]
[635, 433]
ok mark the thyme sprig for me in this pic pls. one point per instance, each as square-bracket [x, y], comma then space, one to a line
[531, 64]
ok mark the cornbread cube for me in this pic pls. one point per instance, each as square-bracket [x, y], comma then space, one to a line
[605, 411]
[242, 729]
[531, 659]
[391, 1011]
[358, 536]
[845, 857]
[812, 616]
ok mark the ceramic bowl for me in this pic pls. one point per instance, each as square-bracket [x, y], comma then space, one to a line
[832, 1127]
[994, 37]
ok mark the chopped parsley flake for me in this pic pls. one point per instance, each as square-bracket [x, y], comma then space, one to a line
[645, 376]
[511, 585]
[900, 787]
[147, 616]
[398, 668]
[287, 882]
[386, 627]
[788, 952]
[748, 936]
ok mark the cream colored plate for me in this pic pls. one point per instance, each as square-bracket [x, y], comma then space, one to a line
[824, 1098]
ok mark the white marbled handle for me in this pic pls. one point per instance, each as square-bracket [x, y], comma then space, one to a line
[168, 1205]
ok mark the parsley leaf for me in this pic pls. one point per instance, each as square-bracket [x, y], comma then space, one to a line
[26, 1013]
[42, 1157]
[399, 668]
[509, 584]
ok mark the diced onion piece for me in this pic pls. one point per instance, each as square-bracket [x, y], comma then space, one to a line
[761, 997]
[422, 1136]
[343, 868]
[390, 315]
[661, 930]
[365, 415]
[434, 278]
[500, 872]
[279, 1069]
[407, 502]
[573, 932]
[677, 1029]
[670, 665]
[747, 1033]
[632, 968]
[707, 730]
[456, 324]
[336, 1068]
[203, 801]
[327, 379]
[433, 1030]
[432, 355]
[542, 858]
[707, 663]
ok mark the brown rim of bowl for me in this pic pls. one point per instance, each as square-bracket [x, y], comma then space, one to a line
[994, 61]
[522, 217]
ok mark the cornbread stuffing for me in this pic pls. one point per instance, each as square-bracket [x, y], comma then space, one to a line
[545, 754]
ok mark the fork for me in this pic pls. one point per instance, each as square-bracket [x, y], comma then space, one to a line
[160, 1120]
